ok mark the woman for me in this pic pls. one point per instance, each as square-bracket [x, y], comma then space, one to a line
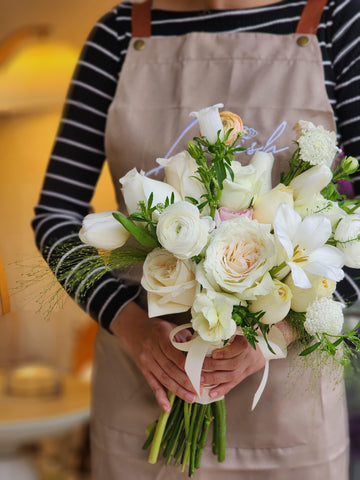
[273, 63]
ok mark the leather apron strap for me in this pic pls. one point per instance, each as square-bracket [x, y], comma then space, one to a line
[141, 19]
[310, 17]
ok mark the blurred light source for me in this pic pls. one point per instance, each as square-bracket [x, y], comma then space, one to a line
[36, 78]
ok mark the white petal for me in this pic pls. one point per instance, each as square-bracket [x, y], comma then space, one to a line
[299, 276]
[314, 232]
[286, 222]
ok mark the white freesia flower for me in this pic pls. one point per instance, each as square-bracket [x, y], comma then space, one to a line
[275, 304]
[304, 246]
[317, 145]
[101, 230]
[302, 297]
[238, 259]
[169, 282]
[265, 205]
[347, 236]
[324, 316]
[212, 316]
[263, 163]
[179, 173]
[237, 194]
[181, 230]
[137, 187]
[310, 182]
[210, 122]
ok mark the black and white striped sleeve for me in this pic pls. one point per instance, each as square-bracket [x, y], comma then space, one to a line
[74, 168]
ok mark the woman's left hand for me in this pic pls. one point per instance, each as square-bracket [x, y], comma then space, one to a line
[230, 365]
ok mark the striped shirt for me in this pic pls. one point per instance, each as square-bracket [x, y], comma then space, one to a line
[78, 153]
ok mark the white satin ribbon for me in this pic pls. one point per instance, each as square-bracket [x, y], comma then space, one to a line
[198, 349]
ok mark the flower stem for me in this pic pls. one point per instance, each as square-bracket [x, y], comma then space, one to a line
[160, 428]
[203, 436]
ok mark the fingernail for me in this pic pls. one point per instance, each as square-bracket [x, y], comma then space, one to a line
[166, 407]
[202, 379]
[213, 394]
[218, 355]
[189, 397]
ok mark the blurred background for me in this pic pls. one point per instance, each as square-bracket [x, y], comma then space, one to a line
[45, 360]
[42, 435]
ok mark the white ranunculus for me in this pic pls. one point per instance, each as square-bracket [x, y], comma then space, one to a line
[137, 187]
[275, 304]
[237, 194]
[266, 205]
[239, 255]
[347, 236]
[324, 316]
[169, 282]
[212, 316]
[101, 230]
[181, 230]
[210, 122]
[302, 297]
[263, 163]
[310, 182]
[179, 173]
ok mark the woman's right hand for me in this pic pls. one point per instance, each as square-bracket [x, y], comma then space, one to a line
[162, 365]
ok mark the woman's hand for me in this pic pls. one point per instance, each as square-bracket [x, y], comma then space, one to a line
[162, 365]
[230, 365]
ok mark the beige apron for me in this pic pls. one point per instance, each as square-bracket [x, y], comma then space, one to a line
[299, 428]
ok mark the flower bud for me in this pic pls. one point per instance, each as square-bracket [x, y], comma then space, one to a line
[266, 205]
[350, 165]
[210, 122]
[303, 297]
[275, 304]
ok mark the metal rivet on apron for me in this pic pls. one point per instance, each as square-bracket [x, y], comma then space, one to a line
[139, 44]
[303, 41]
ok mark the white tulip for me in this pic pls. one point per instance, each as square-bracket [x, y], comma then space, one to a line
[169, 282]
[181, 230]
[275, 304]
[263, 163]
[101, 230]
[347, 236]
[210, 122]
[311, 182]
[265, 205]
[237, 194]
[303, 297]
[137, 187]
[179, 173]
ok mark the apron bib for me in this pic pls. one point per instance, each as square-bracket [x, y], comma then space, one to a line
[299, 427]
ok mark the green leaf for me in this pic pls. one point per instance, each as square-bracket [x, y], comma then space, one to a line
[141, 235]
[310, 349]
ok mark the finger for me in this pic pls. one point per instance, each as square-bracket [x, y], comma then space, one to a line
[186, 392]
[239, 345]
[159, 391]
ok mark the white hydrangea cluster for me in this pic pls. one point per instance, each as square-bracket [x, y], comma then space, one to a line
[317, 146]
[324, 316]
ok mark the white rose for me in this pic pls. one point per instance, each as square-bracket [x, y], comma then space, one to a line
[181, 230]
[179, 173]
[237, 194]
[266, 205]
[101, 230]
[137, 187]
[210, 122]
[169, 282]
[347, 236]
[302, 297]
[212, 316]
[237, 260]
[263, 163]
[275, 304]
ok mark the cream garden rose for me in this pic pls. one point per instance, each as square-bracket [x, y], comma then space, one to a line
[212, 316]
[102, 230]
[169, 282]
[182, 231]
[275, 304]
[238, 258]
[303, 297]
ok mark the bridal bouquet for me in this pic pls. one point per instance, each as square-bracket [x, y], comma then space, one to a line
[218, 240]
